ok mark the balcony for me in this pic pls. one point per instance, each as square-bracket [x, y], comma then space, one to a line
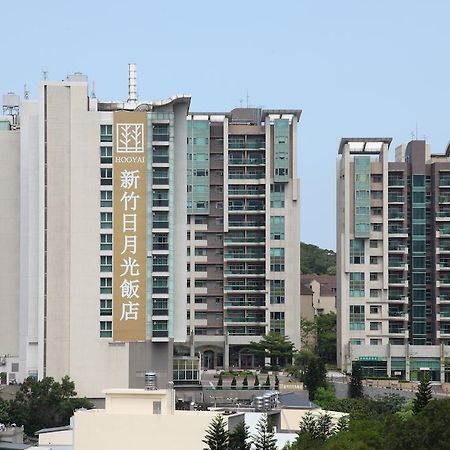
[251, 208]
[398, 298]
[396, 182]
[443, 298]
[443, 282]
[247, 161]
[256, 319]
[444, 182]
[252, 272]
[245, 192]
[444, 199]
[443, 265]
[397, 265]
[244, 304]
[244, 288]
[396, 215]
[445, 333]
[398, 332]
[247, 176]
[245, 239]
[443, 316]
[398, 231]
[246, 223]
[443, 216]
[230, 256]
[397, 281]
[398, 315]
[395, 198]
[255, 145]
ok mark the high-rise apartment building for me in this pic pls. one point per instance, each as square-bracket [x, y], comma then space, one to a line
[243, 232]
[140, 237]
[393, 246]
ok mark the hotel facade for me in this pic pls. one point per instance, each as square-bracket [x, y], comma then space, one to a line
[138, 236]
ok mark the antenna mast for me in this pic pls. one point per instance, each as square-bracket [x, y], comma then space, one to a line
[132, 87]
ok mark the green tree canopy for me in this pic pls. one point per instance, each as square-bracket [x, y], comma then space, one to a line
[240, 438]
[315, 376]
[317, 260]
[264, 439]
[274, 346]
[45, 403]
[355, 388]
[217, 436]
[423, 396]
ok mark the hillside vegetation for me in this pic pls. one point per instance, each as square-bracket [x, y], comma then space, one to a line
[317, 260]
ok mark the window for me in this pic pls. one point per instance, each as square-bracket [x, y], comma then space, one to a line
[199, 299]
[375, 326]
[374, 260]
[200, 331]
[200, 283]
[277, 322]
[357, 284]
[200, 315]
[106, 199]
[375, 309]
[277, 292]
[356, 251]
[160, 263]
[375, 293]
[356, 341]
[200, 236]
[377, 211]
[199, 220]
[105, 263]
[106, 178]
[200, 251]
[160, 175]
[106, 307]
[277, 259]
[200, 267]
[376, 194]
[105, 285]
[106, 329]
[160, 132]
[106, 155]
[375, 342]
[160, 285]
[373, 276]
[377, 227]
[277, 227]
[277, 195]
[106, 242]
[377, 178]
[373, 243]
[106, 133]
[106, 220]
[356, 317]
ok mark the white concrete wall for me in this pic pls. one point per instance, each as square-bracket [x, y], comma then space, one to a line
[9, 242]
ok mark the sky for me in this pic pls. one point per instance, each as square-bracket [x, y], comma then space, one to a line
[374, 68]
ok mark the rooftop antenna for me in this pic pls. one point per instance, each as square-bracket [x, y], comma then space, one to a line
[44, 75]
[26, 92]
[93, 90]
[132, 90]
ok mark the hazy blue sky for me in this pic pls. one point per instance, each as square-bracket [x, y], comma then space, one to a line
[355, 67]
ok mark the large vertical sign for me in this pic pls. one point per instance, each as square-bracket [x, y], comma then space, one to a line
[130, 226]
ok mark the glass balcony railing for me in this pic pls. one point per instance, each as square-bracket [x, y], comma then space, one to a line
[247, 161]
[396, 198]
[246, 223]
[246, 176]
[244, 255]
[396, 215]
[244, 272]
[245, 192]
[444, 213]
[246, 145]
[445, 313]
[245, 319]
[256, 303]
[260, 207]
[396, 247]
[240, 287]
[396, 263]
[394, 181]
[444, 199]
[444, 182]
[244, 239]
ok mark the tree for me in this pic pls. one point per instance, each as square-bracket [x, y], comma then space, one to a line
[256, 383]
[277, 383]
[219, 382]
[4, 411]
[308, 335]
[326, 336]
[245, 383]
[315, 376]
[423, 396]
[240, 438]
[267, 383]
[233, 383]
[264, 439]
[302, 360]
[355, 388]
[216, 435]
[45, 403]
[274, 346]
[325, 427]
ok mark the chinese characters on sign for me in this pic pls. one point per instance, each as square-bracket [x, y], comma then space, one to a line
[130, 226]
